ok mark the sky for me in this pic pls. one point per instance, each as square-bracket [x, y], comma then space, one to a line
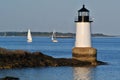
[58, 15]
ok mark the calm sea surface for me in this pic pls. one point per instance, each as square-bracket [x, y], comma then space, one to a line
[108, 51]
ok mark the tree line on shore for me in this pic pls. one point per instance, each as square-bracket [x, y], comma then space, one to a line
[48, 34]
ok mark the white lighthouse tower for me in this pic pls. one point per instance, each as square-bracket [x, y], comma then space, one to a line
[83, 50]
[83, 29]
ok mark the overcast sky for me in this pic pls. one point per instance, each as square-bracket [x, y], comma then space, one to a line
[46, 15]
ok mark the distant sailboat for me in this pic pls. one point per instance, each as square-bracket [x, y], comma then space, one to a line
[29, 36]
[53, 38]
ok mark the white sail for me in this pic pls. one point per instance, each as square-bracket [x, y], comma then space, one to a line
[29, 36]
[53, 38]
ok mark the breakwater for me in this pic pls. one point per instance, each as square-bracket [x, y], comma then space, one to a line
[22, 59]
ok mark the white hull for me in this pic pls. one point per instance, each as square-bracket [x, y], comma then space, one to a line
[29, 40]
[54, 40]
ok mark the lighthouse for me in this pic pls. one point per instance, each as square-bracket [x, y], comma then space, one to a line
[83, 49]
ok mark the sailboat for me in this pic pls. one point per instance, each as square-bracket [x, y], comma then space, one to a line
[53, 38]
[29, 36]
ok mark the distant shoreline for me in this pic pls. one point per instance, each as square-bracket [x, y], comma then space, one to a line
[48, 34]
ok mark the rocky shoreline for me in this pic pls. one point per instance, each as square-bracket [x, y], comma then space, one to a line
[22, 59]
[9, 78]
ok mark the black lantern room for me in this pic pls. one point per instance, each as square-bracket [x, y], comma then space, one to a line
[83, 15]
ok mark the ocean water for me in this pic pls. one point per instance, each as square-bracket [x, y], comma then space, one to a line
[108, 50]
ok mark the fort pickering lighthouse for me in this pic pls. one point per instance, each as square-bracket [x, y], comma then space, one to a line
[83, 49]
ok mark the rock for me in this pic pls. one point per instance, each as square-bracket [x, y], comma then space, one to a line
[21, 59]
[9, 78]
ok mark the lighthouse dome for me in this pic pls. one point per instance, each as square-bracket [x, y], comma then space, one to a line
[83, 9]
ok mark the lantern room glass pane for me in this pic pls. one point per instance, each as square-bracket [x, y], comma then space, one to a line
[84, 14]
